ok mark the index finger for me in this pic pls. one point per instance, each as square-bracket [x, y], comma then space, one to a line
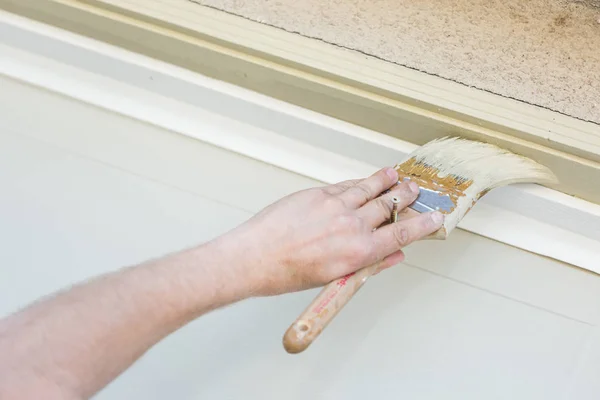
[369, 188]
[393, 237]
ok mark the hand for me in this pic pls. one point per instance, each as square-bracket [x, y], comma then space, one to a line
[84, 337]
[317, 235]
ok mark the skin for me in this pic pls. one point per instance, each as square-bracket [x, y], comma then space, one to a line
[73, 343]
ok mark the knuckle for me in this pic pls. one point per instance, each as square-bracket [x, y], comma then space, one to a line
[384, 205]
[323, 192]
[427, 224]
[405, 192]
[337, 188]
[402, 236]
[332, 202]
[363, 191]
[315, 194]
[347, 184]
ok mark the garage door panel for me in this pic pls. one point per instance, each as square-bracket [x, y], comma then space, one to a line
[144, 149]
[467, 319]
[511, 272]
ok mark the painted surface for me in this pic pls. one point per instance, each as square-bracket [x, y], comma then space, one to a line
[86, 191]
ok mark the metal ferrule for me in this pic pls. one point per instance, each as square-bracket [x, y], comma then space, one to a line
[432, 200]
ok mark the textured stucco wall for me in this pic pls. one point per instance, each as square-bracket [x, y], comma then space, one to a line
[541, 52]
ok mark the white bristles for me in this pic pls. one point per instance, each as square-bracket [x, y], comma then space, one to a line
[485, 165]
[488, 166]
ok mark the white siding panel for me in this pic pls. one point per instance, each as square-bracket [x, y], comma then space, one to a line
[85, 191]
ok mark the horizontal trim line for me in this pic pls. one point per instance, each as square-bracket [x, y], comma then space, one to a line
[384, 97]
[529, 217]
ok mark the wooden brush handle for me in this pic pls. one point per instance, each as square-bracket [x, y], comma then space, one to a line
[324, 308]
[334, 296]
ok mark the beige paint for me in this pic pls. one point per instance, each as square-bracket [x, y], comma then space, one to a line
[352, 87]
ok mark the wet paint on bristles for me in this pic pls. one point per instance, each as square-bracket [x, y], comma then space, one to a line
[454, 173]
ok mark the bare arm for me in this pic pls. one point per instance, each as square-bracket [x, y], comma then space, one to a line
[72, 344]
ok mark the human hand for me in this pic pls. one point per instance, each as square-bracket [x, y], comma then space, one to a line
[307, 239]
[314, 236]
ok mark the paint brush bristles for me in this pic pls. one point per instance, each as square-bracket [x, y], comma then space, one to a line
[454, 173]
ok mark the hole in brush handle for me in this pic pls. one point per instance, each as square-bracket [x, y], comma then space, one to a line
[323, 309]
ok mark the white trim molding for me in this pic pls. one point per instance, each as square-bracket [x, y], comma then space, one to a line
[530, 217]
[347, 85]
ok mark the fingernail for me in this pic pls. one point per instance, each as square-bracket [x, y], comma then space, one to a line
[413, 187]
[391, 172]
[437, 217]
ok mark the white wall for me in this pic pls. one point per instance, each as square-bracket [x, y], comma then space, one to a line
[83, 191]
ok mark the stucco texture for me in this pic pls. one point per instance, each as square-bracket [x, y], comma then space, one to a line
[542, 52]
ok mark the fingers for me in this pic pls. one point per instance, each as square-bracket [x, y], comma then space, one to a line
[390, 261]
[341, 186]
[378, 210]
[393, 237]
[369, 188]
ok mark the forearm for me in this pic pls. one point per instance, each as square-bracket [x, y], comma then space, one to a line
[71, 345]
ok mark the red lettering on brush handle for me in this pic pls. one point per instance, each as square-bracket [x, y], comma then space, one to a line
[325, 302]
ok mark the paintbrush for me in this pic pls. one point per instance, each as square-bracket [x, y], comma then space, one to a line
[452, 174]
